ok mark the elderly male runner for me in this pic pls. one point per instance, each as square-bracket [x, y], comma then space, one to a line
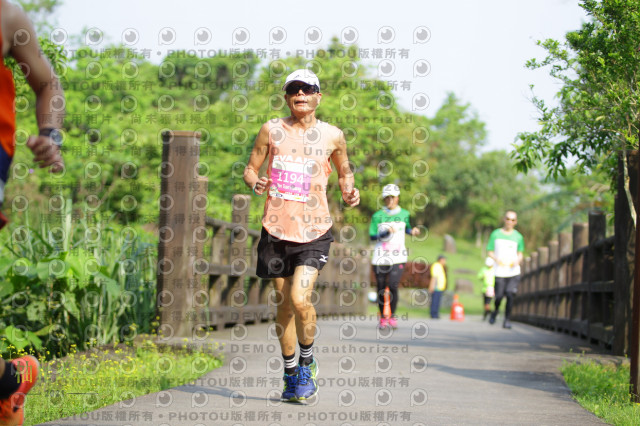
[296, 225]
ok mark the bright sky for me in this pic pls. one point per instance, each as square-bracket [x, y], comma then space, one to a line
[475, 49]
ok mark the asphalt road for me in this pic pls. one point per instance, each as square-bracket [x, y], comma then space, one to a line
[425, 372]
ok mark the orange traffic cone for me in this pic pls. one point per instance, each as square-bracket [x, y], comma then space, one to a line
[386, 310]
[457, 310]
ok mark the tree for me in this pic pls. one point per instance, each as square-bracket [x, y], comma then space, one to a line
[597, 117]
[456, 135]
[497, 187]
[598, 111]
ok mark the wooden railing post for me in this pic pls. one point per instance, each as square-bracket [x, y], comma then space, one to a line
[564, 274]
[199, 236]
[567, 286]
[535, 286]
[554, 298]
[528, 309]
[239, 258]
[580, 240]
[176, 281]
[634, 327]
[624, 257]
[593, 268]
[543, 280]
[565, 246]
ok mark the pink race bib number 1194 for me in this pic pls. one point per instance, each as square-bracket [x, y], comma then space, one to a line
[290, 181]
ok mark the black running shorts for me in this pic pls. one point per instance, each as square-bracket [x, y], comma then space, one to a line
[279, 258]
[506, 285]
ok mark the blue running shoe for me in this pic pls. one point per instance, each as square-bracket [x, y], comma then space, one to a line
[307, 384]
[290, 387]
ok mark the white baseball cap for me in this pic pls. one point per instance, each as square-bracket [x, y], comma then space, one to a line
[304, 75]
[488, 262]
[390, 190]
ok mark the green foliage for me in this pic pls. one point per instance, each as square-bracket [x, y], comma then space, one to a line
[456, 135]
[462, 265]
[598, 113]
[38, 5]
[86, 381]
[118, 104]
[71, 283]
[603, 390]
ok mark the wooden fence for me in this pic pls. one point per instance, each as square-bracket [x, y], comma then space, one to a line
[206, 267]
[581, 283]
[571, 290]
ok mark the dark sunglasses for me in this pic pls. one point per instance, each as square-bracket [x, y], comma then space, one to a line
[307, 89]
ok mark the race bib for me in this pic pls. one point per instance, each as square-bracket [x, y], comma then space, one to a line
[394, 242]
[290, 181]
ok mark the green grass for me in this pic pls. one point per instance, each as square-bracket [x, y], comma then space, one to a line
[603, 390]
[467, 258]
[86, 381]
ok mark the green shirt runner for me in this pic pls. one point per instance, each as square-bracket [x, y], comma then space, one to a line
[390, 248]
[506, 247]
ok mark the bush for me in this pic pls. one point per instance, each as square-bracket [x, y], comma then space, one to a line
[74, 283]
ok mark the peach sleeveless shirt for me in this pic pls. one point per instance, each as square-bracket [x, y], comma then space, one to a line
[299, 167]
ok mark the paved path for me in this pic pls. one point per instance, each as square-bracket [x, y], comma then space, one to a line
[425, 372]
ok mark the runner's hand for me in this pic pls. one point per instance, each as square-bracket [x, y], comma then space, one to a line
[415, 231]
[352, 198]
[46, 153]
[262, 185]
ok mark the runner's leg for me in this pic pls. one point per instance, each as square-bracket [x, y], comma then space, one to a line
[286, 331]
[394, 278]
[285, 321]
[511, 289]
[487, 306]
[302, 282]
[381, 283]
[501, 286]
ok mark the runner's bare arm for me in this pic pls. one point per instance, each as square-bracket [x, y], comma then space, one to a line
[50, 102]
[340, 159]
[256, 159]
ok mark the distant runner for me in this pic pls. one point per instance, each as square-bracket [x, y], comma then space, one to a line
[506, 247]
[388, 228]
[487, 276]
